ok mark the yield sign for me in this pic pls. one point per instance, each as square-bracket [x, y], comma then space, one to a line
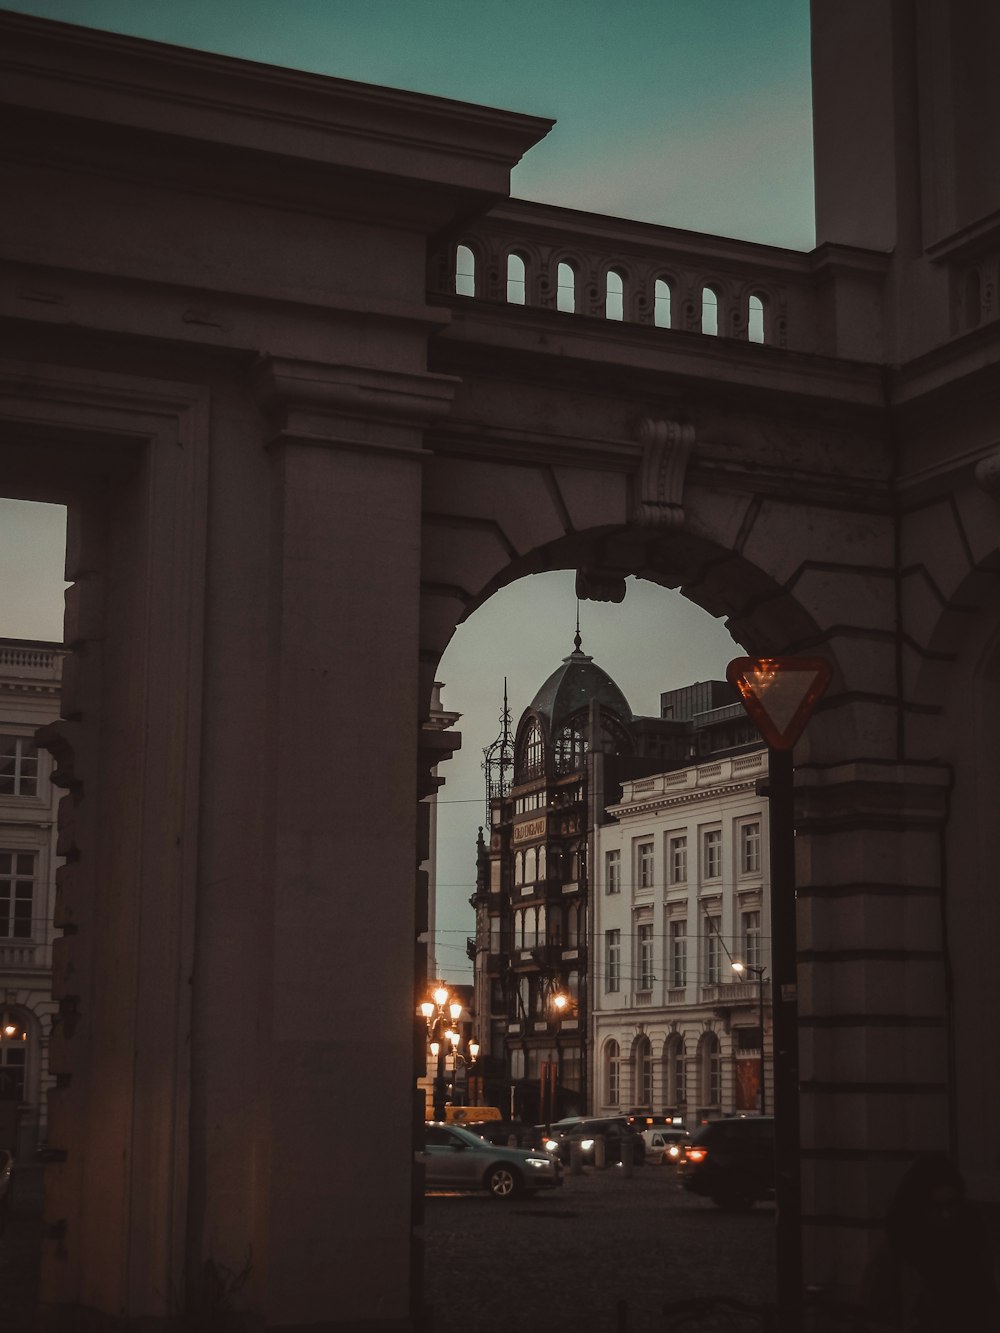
[779, 693]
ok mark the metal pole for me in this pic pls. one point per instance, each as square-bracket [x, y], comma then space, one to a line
[439, 1080]
[763, 1067]
[784, 1027]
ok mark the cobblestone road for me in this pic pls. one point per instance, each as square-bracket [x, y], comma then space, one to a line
[570, 1259]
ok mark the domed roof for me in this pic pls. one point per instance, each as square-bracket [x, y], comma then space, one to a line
[573, 685]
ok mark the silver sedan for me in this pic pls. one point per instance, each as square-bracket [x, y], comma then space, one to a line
[454, 1158]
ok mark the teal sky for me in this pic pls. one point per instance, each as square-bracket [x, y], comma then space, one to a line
[689, 113]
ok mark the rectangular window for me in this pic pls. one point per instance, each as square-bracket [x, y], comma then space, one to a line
[645, 943]
[17, 886]
[713, 952]
[678, 953]
[751, 939]
[614, 1079]
[715, 1077]
[645, 855]
[612, 960]
[680, 1083]
[712, 853]
[18, 766]
[750, 848]
[613, 872]
[678, 855]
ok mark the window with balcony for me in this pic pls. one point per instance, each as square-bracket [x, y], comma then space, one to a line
[711, 853]
[613, 871]
[750, 848]
[18, 766]
[678, 953]
[644, 866]
[678, 859]
[17, 892]
[612, 960]
[644, 942]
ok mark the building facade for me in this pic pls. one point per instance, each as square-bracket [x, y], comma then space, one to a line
[680, 895]
[30, 675]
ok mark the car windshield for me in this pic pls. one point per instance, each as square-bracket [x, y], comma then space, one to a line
[466, 1135]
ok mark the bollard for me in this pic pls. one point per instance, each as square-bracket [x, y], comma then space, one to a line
[575, 1158]
[600, 1152]
[628, 1152]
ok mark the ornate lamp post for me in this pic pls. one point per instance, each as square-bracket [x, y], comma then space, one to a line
[758, 972]
[441, 1013]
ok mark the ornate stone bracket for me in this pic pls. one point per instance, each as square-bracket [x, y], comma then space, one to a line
[659, 492]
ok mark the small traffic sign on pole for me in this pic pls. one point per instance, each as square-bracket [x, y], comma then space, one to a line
[779, 693]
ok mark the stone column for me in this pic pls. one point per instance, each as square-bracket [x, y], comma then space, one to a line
[340, 836]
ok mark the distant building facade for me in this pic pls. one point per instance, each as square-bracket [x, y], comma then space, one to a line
[680, 894]
[29, 698]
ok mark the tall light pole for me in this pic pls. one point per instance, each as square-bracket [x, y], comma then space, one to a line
[758, 972]
[441, 1014]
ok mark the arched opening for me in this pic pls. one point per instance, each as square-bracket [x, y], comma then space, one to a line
[755, 319]
[643, 1058]
[709, 310]
[661, 304]
[516, 279]
[614, 295]
[465, 271]
[612, 1073]
[566, 287]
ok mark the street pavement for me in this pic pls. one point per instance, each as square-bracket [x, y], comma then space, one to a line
[600, 1255]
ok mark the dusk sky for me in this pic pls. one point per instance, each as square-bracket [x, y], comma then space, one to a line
[687, 113]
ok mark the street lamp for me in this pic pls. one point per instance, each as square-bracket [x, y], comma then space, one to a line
[441, 1013]
[758, 972]
[558, 1007]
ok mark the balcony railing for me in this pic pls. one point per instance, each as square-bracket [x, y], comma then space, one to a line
[631, 273]
[27, 955]
[739, 768]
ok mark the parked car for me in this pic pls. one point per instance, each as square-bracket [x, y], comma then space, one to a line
[454, 1158]
[665, 1143]
[508, 1133]
[731, 1162]
[586, 1132]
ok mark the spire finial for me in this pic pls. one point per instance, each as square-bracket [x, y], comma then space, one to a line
[577, 641]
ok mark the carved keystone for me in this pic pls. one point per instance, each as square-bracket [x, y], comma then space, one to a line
[659, 493]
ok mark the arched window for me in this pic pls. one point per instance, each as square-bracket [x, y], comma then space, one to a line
[573, 925]
[540, 939]
[519, 930]
[541, 862]
[661, 304]
[566, 288]
[755, 319]
[612, 1073]
[709, 310]
[533, 753]
[568, 750]
[465, 272]
[530, 866]
[644, 1072]
[13, 1056]
[519, 867]
[614, 298]
[515, 279]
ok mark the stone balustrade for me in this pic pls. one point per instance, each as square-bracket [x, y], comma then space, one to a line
[739, 768]
[582, 264]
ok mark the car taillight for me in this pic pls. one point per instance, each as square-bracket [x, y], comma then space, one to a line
[696, 1154]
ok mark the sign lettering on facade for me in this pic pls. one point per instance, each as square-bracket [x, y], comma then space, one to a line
[532, 828]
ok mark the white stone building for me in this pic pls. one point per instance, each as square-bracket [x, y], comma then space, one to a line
[29, 697]
[680, 893]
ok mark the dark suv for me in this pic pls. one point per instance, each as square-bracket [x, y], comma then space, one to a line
[731, 1162]
[614, 1133]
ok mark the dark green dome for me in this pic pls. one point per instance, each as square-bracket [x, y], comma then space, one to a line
[572, 686]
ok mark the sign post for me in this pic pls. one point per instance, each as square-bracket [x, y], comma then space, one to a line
[779, 694]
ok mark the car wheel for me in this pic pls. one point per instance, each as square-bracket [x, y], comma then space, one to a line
[503, 1182]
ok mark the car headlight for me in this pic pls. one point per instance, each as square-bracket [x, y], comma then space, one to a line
[586, 1144]
[551, 1145]
[538, 1161]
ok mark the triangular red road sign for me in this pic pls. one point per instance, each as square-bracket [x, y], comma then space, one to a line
[779, 693]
